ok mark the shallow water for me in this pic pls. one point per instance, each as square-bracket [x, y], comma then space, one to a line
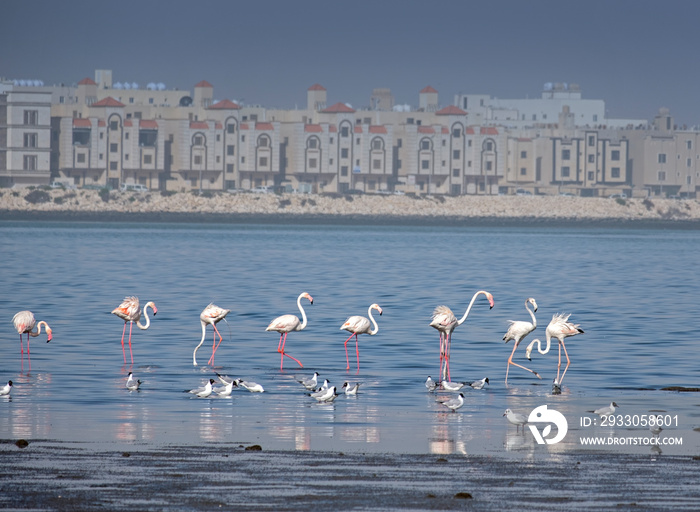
[632, 291]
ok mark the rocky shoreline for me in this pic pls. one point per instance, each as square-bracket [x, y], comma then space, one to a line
[90, 205]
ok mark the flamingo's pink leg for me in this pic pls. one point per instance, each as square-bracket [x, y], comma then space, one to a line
[21, 349]
[559, 365]
[29, 355]
[215, 345]
[510, 361]
[131, 325]
[123, 352]
[568, 362]
[285, 354]
[357, 349]
[279, 345]
[347, 360]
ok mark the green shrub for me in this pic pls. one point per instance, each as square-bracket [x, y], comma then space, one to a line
[37, 196]
[104, 194]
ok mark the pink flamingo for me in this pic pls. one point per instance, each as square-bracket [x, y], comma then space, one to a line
[445, 322]
[517, 331]
[360, 325]
[285, 324]
[25, 322]
[558, 328]
[211, 315]
[129, 311]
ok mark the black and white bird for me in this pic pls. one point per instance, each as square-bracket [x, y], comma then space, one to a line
[131, 383]
[5, 391]
[478, 384]
[430, 384]
[204, 391]
[517, 419]
[351, 390]
[251, 386]
[454, 403]
[309, 383]
[327, 395]
[452, 386]
[606, 411]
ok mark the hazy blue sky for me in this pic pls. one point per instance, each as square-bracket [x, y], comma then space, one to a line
[637, 55]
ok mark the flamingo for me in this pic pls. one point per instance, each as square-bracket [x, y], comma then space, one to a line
[285, 324]
[558, 328]
[129, 311]
[25, 322]
[445, 322]
[517, 331]
[360, 325]
[211, 315]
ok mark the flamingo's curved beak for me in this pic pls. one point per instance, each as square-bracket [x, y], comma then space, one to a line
[49, 337]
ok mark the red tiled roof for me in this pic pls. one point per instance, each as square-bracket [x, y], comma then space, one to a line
[488, 130]
[317, 87]
[264, 126]
[218, 126]
[244, 126]
[358, 129]
[339, 108]
[425, 129]
[469, 130]
[148, 124]
[101, 122]
[87, 81]
[198, 125]
[108, 102]
[225, 105]
[377, 129]
[313, 128]
[81, 123]
[524, 139]
[204, 83]
[445, 131]
[428, 89]
[333, 129]
[128, 123]
[451, 110]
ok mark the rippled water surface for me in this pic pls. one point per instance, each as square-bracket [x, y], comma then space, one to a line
[634, 292]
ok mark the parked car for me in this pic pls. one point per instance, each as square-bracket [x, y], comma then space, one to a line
[566, 194]
[133, 187]
[261, 190]
[62, 184]
[522, 192]
[618, 196]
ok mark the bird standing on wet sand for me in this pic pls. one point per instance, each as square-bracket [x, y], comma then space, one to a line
[517, 331]
[5, 390]
[25, 322]
[360, 325]
[517, 419]
[445, 322]
[454, 403]
[430, 384]
[606, 411]
[287, 323]
[129, 311]
[558, 328]
[211, 315]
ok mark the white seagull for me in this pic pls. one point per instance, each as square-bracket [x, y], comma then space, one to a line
[5, 391]
[251, 386]
[606, 411]
[479, 384]
[131, 383]
[205, 391]
[454, 403]
[430, 384]
[327, 395]
[310, 383]
[351, 390]
[226, 389]
[517, 419]
[452, 386]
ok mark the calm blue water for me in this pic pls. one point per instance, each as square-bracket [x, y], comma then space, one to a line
[634, 292]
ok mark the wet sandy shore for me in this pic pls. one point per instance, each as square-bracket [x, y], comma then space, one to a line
[52, 476]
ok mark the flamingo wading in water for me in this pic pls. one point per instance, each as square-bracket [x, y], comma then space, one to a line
[445, 322]
[558, 328]
[517, 331]
[360, 325]
[285, 324]
[211, 315]
[129, 311]
[25, 322]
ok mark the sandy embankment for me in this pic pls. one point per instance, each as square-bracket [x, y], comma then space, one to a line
[63, 204]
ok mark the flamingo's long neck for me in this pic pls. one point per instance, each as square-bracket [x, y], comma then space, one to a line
[303, 314]
[38, 329]
[532, 314]
[374, 322]
[539, 346]
[466, 313]
[194, 354]
[148, 320]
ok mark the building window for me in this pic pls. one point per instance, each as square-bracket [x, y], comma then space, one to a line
[101, 156]
[113, 147]
[615, 155]
[425, 164]
[357, 141]
[30, 162]
[126, 157]
[377, 144]
[456, 133]
[688, 180]
[31, 117]
[591, 159]
[30, 140]
[565, 171]
[456, 154]
[198, 140]
[344, 153]
[689, 144]
[523, 171]
[197, 160]
[231, 150]
[344, 170]
[80, 158]
[126, 135]
[312, 163]
[150, 101]
[455, 173]
[489, 146]
[615, 172]
[114, 125]
[566, 154]
[344, 132]
[489, 166]
[523, 154]
[242, 138]
[662, 158]
[661, 176]
[230, 128]
[689, 162]
[263, 142]
[591, 140]
[330, 161]
[113, 166]
[376, 164]
[147, 159]
[229, 168]
[591, 176]
[312, 143]
[425, 145]
[263, 161]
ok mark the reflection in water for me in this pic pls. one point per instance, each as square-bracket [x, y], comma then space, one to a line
[133, 423]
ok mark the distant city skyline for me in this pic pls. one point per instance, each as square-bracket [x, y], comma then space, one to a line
[638, 56]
